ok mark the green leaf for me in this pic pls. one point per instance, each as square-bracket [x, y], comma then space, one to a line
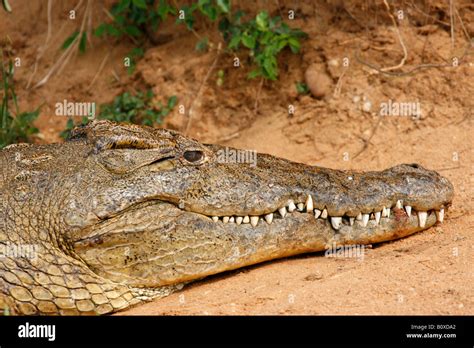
[266, 37]
[237, 16]
[202, 44]
[270, 67]
[248, 41]
[234, 42]
[253, 74]
[121, 6]
[172, 101]
[137, 52]
[70, 123]
[281, 44]
[113, 30]
[302, 88]
[69, 40]
[133, 30]
[100, 30]
[82, 43]
[274, 22]
[163, 10]
[207, 9]
[140, 4]
[224, 5]
[262, 21]
[294, 44]
[120, 19]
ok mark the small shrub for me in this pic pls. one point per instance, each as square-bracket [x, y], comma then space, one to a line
[17, 127]
[302, 88]
[263, 36]
[138, 109]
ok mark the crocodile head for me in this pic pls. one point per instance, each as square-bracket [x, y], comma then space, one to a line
[149, 207]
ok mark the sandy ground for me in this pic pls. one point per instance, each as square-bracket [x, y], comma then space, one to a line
[429, 273]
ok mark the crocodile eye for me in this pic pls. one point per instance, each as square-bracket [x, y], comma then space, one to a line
[193, 156]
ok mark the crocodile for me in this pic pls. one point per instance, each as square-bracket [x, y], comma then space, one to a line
[120, 214]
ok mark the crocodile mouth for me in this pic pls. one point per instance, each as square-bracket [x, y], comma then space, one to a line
[372, 219]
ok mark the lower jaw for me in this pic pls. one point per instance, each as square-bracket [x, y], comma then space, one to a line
[299, 234]
[185, 246]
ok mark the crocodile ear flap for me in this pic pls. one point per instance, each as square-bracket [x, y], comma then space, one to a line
[105, 135]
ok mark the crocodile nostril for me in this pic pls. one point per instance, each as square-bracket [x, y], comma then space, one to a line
[414, 165]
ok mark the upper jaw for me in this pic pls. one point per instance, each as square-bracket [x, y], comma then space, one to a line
[342, 197]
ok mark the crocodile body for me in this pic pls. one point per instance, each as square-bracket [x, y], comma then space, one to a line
[120, 214]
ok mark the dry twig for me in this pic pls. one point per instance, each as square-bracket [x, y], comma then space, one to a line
[64, 58]
[367, 141]
[405, 53]
[101, 66]
[198, 94]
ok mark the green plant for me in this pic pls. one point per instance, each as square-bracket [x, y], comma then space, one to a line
[212, 9]
[265, 37]
[202, 44]
[72, 38]
[302, 88]
[131, 18]
[137, 109]
[126, 107]
[17, 127]
[220, 77]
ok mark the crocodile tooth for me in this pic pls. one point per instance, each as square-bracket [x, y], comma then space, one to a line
[408, 210]
[324, 214]
[377, 217]
[422, 215]
[282, 211]
[372, 217]
[291, 206]
[309, 204]
[300, 206]
[440, 215]
[365, 219]
[269, 218]
[225, 219]
[215, 218]
[246, 219]
[399, 204]
[317, 213]
[384, 212]
[359, 217]
[239, 220]
[254, 220]
[232, 219]
[388, 212]
[351, 221]
[336, 222]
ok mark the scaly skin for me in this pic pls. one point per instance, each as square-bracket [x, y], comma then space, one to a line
[121, 214]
